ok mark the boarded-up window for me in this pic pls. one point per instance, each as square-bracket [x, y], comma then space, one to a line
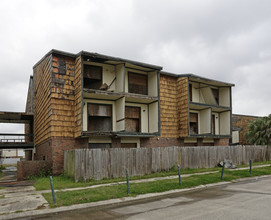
[99, 117]
[92, 77]
[193, 123]
[138, 83]
[132, 119]
[216, 95]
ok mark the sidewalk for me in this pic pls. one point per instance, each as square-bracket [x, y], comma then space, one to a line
[149, 179]
[25, 201]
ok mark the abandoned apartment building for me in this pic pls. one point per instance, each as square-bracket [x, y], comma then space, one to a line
[89, 100]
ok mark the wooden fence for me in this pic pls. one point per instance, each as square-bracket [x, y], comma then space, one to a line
[84, 164]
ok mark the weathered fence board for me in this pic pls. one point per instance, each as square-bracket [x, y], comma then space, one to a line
[84, 164]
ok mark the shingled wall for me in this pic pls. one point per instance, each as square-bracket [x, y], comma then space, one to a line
[62, 92]
[57, 108]
[174, 106]
[42, 99]
[168, 106]
[182, 97]
[78, 96]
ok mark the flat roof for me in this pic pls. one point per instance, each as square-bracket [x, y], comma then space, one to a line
[197, 78]
[252, 116]
[97, 55]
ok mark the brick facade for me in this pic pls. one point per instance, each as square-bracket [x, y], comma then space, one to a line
[30, 168]
[44, 150]
[241, 123]
[222, 142]
[53, 149]
[160, 142]
[116, 143]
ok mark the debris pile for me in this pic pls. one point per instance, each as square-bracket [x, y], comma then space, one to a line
[228, 164]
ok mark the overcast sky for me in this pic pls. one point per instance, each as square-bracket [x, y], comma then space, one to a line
[226, 40]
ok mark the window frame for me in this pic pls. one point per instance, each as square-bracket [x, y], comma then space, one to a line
[196, 113]
[139, 119]
[139, 74]
[104, 104]
[96, 66]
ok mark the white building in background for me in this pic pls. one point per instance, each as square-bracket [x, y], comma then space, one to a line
[11, 156]
[13, 153]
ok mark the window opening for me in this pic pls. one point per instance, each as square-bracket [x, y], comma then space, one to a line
[132, 119]
[193, 123]
[92, 77]
[137, 83]
[99, 117]
[216, 95]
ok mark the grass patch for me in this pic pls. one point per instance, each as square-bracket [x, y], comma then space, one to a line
[255, 164]
[110, 192]
[63, 181]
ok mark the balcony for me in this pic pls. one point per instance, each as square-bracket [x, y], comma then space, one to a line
[202, 95]
[16, 141]
[209, 108]
[205, 123]
[119, 118]
[131, 91]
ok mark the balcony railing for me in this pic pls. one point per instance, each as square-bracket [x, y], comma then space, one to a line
[16, 140]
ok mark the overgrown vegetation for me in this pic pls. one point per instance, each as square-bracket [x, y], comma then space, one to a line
[118, 191]
[41, 174]
[259, 131]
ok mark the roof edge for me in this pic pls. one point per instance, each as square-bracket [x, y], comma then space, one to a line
[54, 51]
[252, 116]
[195, 76]
[137, 63]
[86, 53]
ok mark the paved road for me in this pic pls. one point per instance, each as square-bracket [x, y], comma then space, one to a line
[246, 200]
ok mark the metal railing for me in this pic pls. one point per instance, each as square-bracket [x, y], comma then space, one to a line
[15, 138]
[12, 140]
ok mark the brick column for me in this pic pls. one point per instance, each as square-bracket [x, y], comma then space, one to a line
[116, 143]
[222, 142]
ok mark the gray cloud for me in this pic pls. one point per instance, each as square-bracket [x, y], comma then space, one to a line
[223, 40]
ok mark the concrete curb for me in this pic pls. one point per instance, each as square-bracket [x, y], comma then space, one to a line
[122, 200]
